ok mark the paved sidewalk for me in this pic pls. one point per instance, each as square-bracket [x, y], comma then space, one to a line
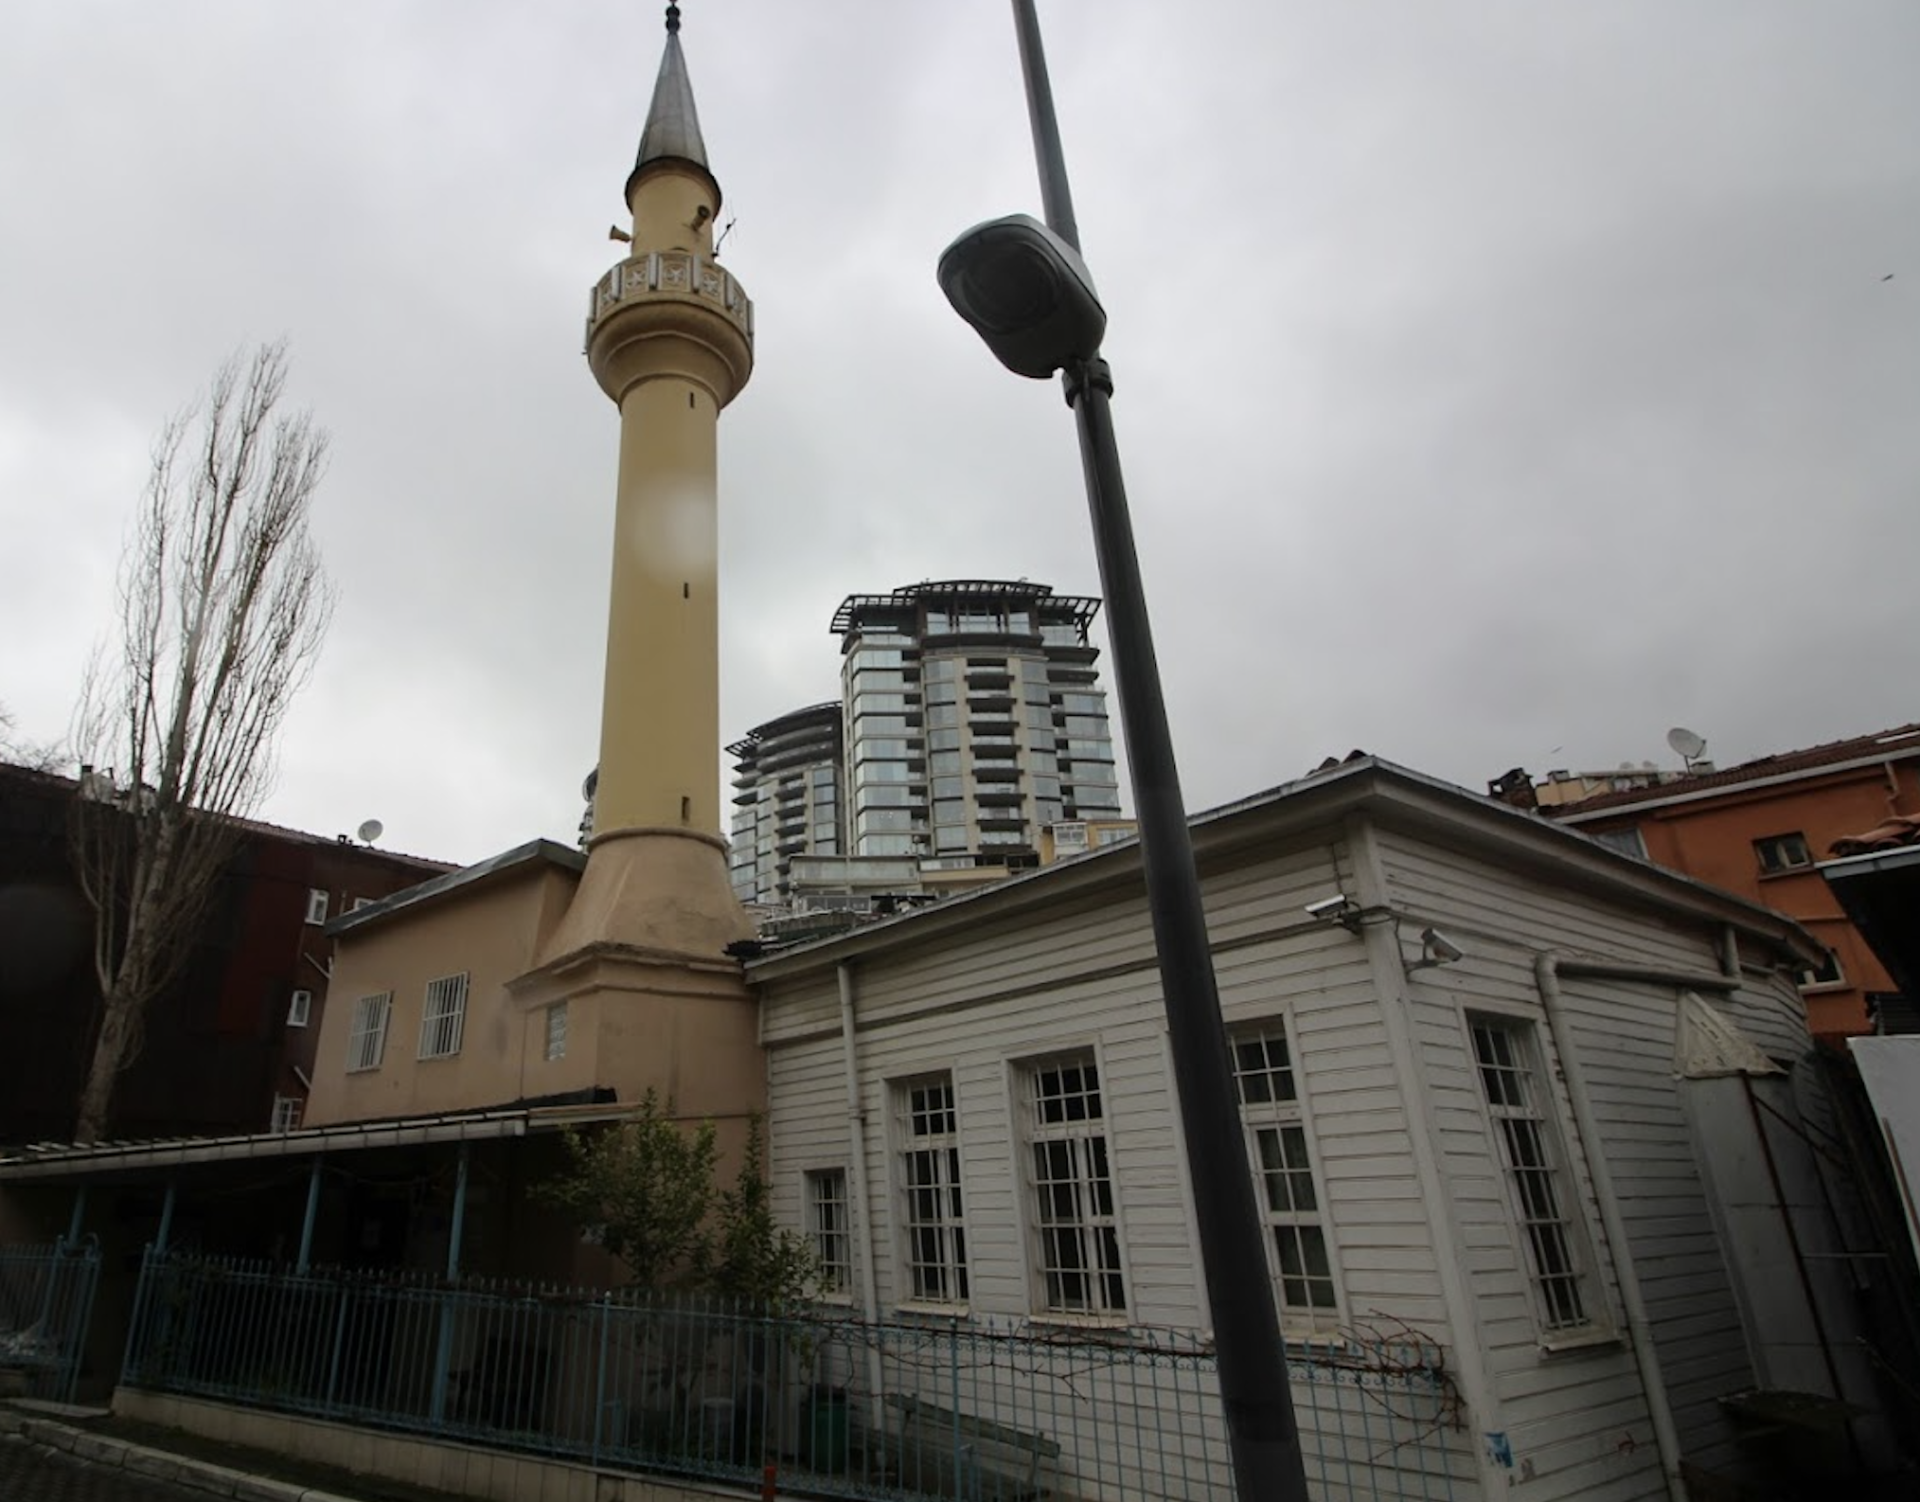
[33, 1473]
[63, 1459]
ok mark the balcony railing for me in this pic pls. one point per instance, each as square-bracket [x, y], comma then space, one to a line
[674, 274]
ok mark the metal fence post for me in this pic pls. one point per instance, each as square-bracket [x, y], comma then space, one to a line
[129, 1365]
[339, 1342]
[600, 1381]
[443, 1354]
[306, 1225]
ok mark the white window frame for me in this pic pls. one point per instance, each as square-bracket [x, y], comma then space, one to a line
[1782, 845]
[556, 1028]
[1286, 1179]
[367, 1038]
[287, 1110]
[443, 1017]
[317, 904]
[1832, 976]
[928, 1164]
[299, 1009]
[830, 1228]
[1542, 1194]
[360, 902]
[1628, 841]
[1072, 1202]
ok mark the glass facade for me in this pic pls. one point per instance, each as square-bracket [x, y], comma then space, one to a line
[970, 718]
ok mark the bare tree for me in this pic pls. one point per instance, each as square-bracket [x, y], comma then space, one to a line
[223, 603]
[16, 750]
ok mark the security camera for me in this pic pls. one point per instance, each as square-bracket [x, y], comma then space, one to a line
[1336, 906]
[1439, 949]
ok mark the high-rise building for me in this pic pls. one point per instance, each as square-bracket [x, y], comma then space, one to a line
[787, 799]
[971, 720]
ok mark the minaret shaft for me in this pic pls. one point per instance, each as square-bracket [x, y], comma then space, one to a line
[660, 714]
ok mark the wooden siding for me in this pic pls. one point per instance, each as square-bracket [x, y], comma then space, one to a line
[1623, 1031]
[976, 1000]
[1084, 977]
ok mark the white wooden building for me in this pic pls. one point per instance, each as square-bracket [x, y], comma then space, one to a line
[1493, 1157]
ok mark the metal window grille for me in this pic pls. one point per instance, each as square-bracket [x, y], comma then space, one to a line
[557, 1030]
[1503, 1050]
[828, 1223]
[299, 1008]
[316, 906]
[367, 1039]
[443, 1017]
[1283, 1178]
[936, 1234]
[1079, 1234]
[286, 1113]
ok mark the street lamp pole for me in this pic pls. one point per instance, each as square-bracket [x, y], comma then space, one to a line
[1262, 1433]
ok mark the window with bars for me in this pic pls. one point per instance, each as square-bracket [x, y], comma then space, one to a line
[829, 1226]
[1284, 1184]
[443, 1017]
[1529, 1148]
[367, 1038]
[557, 1030]
[1076, 1228]
[936, 1236]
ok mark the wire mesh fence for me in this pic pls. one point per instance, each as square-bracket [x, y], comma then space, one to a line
[46, 1308]
[836, 1405]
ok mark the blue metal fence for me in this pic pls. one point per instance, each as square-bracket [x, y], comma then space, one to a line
[46, 1308]
[838, 1406]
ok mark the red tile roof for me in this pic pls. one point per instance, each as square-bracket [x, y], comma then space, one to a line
[1902, 740]
[1890, 834]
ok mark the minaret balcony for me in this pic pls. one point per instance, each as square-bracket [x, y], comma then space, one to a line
[670, 276]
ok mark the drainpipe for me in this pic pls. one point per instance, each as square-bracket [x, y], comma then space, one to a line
[1546, 973]
[861, 1228]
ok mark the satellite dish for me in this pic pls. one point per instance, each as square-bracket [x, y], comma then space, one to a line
[1686, 743]
[370, 831]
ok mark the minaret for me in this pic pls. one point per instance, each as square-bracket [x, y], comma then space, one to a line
[670, 340]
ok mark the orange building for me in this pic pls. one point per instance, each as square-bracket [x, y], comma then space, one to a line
[1760, 829]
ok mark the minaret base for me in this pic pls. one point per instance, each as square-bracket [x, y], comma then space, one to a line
[658, 892]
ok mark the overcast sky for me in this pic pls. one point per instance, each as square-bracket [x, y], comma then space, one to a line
[1498, 383]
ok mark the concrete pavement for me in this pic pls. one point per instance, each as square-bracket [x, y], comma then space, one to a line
[43, 1459]
[34, 1473]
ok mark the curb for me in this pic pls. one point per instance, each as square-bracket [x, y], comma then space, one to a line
[156, 1465]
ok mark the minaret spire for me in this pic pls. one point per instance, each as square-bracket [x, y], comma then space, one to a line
[672, 132]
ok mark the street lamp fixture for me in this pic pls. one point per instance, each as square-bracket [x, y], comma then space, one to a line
[1023, 287]
[1026, 292]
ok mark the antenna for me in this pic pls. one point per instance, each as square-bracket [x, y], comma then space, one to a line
[370, 831]
[1686, 744]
